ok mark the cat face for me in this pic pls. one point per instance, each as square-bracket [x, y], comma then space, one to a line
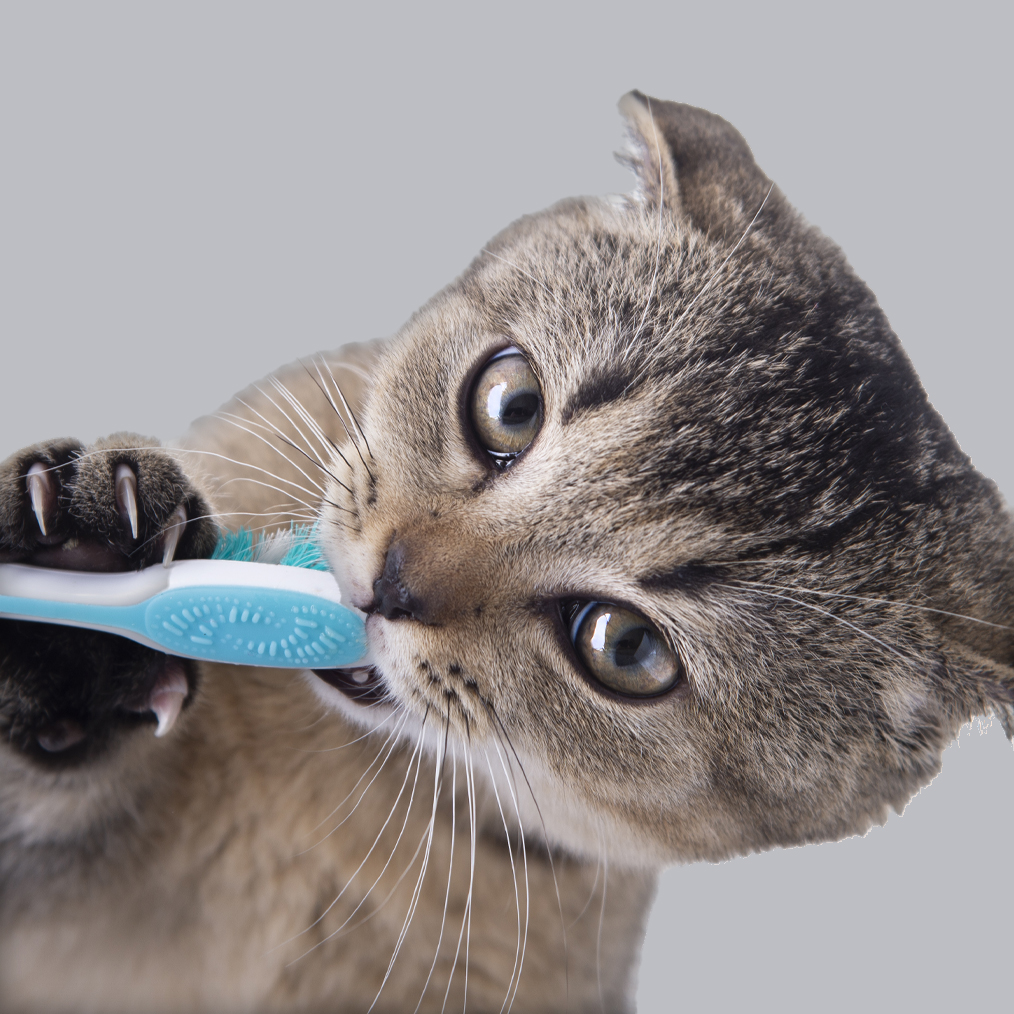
[651, 504]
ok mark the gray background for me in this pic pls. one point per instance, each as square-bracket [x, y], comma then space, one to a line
[192, 194]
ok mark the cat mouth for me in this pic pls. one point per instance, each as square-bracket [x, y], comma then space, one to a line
[362, 684]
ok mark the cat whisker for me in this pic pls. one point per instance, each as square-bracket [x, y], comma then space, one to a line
[514, 876]
[450, 862]
[450, 866]
[239, 422]
[327, 394]
[415, 759]
[591, 893]
[352, 415]
[466, 915]
[263, 471]
[538, 281]
[214, 516]
[423, 838]
[345, 929]
[492, 712]
[322, 438]
[417, 891]
[602, 918]
[473, 809]
[392, 739]
[351, 742]
[838, 619]
[874, 601]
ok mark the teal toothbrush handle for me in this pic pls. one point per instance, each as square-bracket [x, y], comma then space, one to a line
[239, 625]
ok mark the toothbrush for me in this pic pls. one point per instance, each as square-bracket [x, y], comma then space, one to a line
[244, 611]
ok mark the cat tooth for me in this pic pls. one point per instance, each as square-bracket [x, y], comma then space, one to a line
[174, 529]
[126, 495]
[167, 697]
[38, 491]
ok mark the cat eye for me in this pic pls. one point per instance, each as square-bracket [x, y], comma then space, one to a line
[506, 406]
[623, 651]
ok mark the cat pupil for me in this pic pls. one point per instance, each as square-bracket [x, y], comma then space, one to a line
[631, 647]
[506, 407]
[520, 409]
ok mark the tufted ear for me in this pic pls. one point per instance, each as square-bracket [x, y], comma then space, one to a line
[697, 164]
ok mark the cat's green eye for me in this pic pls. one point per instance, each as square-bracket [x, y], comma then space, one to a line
[623, 650]
[506, 406]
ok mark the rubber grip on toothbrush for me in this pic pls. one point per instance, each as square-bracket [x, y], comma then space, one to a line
[256, 626]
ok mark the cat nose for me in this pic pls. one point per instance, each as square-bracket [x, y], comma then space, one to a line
[392, 596]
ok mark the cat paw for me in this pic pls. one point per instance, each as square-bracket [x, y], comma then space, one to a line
[68, 694]
[120, 504]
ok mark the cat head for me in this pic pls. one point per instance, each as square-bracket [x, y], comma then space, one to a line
[651, 504]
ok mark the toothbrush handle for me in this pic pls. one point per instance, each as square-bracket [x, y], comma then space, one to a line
[239, 625]
[126, 621]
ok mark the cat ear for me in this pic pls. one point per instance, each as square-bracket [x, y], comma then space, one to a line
[695, 163]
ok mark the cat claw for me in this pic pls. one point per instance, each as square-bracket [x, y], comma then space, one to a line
[173, 530]
[39, 491]
[168, 695]
[126, 495]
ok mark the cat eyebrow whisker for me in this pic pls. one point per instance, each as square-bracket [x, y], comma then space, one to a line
[263, 471]
[240, 423]
[327, 394]
[538, 281]
[309, 452]
[913, 663]
[272, 427]
[314, 427]
[285, 438]
[883, 602]
[352, 415]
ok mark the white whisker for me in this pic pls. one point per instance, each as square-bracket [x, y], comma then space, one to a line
[239, 422]
[416, 753]
[341, 394]
[881, 602]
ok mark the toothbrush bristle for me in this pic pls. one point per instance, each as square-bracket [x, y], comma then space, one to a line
[294, 547]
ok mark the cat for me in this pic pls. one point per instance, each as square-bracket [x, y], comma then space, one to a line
[665, 557]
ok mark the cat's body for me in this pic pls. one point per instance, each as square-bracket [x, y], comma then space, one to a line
[729, 445]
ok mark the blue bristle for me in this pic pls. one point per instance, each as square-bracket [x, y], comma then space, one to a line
[302, 551]
[237, 545]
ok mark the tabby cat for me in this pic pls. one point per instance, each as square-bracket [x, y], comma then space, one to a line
[665, 557]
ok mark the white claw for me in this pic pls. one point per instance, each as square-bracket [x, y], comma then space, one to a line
[126, 494]
[38, 483]
[174, 529]
[168, 696]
